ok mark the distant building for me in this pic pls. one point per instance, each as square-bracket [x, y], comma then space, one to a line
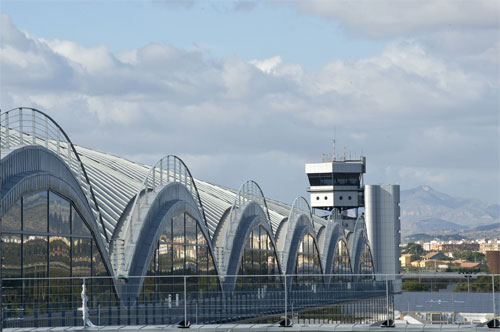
[450, 245]
[489, 245]
[430, 246]
[405, 260]
[458, 246]
[431, 264]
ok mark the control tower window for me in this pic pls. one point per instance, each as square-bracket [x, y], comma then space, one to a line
[335, 179]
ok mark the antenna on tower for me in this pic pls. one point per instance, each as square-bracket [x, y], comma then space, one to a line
[334, 143]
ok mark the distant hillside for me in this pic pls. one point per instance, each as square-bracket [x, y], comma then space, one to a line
[427, 238]
[490, 227]
[428, 211]
[436, 224]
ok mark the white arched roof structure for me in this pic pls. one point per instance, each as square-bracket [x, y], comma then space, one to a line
[119, 194]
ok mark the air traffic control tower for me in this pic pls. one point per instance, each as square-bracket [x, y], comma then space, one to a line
[338, 185]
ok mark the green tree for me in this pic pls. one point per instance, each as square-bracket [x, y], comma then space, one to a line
[414, 249]
[472, 256]
[415, 286]
[478, 284]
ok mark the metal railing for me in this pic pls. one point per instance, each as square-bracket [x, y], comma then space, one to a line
[445, 298]
[448, 298]
[47, 302]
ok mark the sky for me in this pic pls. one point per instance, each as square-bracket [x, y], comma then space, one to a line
[246, 90]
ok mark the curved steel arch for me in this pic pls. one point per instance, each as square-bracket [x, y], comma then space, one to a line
[169, 169]
[234, 260]
[299, 207]
[332, 233]
[303, 228]
[359, 238]
[48, 135]
[329, 272]
[249, 191]
[360, 225]
[50, 173]
[249, 195]
[176, 199]
[356, 260]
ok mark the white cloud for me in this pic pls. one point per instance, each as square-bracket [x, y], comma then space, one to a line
[93, 60]
[395, 18]
[268, 66]
[420, 113]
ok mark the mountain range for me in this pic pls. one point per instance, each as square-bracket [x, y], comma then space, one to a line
[427, 211]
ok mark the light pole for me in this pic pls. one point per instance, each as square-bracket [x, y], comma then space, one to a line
[468, 276]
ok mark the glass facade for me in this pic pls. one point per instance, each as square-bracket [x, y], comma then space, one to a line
[341, 267]
[366, 262]
[44, 236]
[258, 259]
[35, 212]
[307, 262]
[59, 214]
[48, 249]
[11, 220]
[182, 249]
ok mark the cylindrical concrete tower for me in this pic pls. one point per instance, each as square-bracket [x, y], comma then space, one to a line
[383, 226]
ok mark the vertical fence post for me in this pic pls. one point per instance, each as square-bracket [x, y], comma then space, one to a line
[493, 293]
[35, 312]
[168, 169]
[387, 297]
[286, 303]
[161, 172]
[154, 177]
[185, 302]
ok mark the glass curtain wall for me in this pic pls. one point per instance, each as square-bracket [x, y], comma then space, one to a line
[46, 247]
[341, 267]
[181, 250]
[258, 259]
[307, 264]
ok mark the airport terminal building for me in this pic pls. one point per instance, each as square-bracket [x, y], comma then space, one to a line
[140, 234]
